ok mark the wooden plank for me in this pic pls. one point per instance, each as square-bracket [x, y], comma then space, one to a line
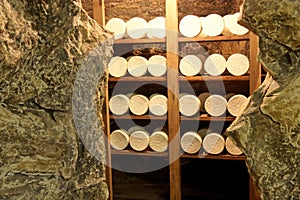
[137, 117]
[214, 157]
[106, 119]
[99, 11]
[206, 117]
[255, 68]
[254, 195]
[215, 38]
[145, 153]
[214, 78]
[138, 79]
[140, 41]
[173, 94]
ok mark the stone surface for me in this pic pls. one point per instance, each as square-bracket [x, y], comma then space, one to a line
[51, 91]
[268, 132]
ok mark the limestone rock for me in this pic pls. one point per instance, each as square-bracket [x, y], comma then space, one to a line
[268, 131]
[52, 62]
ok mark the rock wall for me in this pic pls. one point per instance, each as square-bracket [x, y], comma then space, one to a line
[268, 131]
[52, 59]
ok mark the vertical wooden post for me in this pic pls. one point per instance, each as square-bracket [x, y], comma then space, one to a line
[173, 93]
[255, 68]
[99, 11]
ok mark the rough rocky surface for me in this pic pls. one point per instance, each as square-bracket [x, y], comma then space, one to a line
[51, 80]
[268, 131]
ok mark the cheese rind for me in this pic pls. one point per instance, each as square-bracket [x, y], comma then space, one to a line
[213, 25]
[236, 104]
[157, 65]
[158, 104]
[215, 64]
[138, 104]
[139, 140]
[190, 65]
[137, 66]
[237, 64]
[232, 148]
[137, 28]
[215, 105]
[118, 104]
[117, 26]
[213, 143]
[189, 104]
[119, 139]
[159, 141]
[190, 142]
[157, 27]
[117, 66]
[190, 26]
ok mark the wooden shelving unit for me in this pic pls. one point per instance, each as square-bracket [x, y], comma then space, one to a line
[173, 80]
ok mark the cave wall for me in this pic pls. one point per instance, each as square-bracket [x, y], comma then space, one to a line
[52, 57]
[268, 131]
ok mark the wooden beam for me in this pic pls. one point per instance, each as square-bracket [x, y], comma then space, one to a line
[173, 93]
[255, 67]
[99, 11]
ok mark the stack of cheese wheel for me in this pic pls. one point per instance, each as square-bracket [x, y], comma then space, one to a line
[237, 64]
[190, 142]
[190, 65]
[213, 143]
[159, 141]
[215, 64]
[190, 26]
[139, 140]
[119, 139]
[189, 104]
[157, 65]
[117, 67]
[158, 104]
[117, 26]
[118, 104]
[138, 104]
[137, 66]
[157, 28]
[236, 104]
[213, 25]
[215, 105]
[232, 148]
[202, 97]
[137, 28]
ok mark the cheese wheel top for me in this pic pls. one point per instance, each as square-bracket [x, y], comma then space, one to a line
[190, 65]
[238, 64]
[213, 25]
[236, 104]
[139, 140]
[215, 105]
[213, 143]
[137, 66]
[157, 27]
[117, 26]
[158, 105]
[117, 66]
[118, 104]
[138, 104]
[190, 26]
[215, 64]
[189, 105]
[137, 28]
[157, 65]
[191, 142]
[232, 148]
[119, 139]
[159, 141]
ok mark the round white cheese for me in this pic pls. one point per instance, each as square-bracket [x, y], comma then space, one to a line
[213, 25]
[157, 27]
[190, 65]
[137, 66]
[118, 104]
[158, 104]
[213, 143]
[157, 65]
[215, 64]
[189, 104]
[117, 26]
[138, 104]
[119, 139]
[139, 140]
[215, 105]
[232, 148]
[159, 141]
[190, 26]
[190, 142]
[236, 104]
[117, 67]
[237, 64]
[137, 28]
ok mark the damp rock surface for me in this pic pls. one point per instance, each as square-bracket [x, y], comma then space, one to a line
[268, 131]
[52, 63]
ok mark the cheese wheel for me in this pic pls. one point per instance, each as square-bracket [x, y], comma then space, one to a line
[213, 25]
[190, 26]
[135, 128]
[117, 67]
[137, 28]
[201, 34]
[190, 65]
[139, 140]
[157, 27]
[190, 142]
[157, 65]
[119, 139]
[213, 143]
[189, 104]
[117, 26]
[159, 141]
[138, 104]
[118, 104]
[137, 66]
[202, 97]
[238, 29]
[232, 148]
[237, 64]
[230, 23]
[215, 105]
[215, 64]
[236, 104]
[158, 104]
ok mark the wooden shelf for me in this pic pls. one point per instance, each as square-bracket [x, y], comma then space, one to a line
[215, 39]
[206, 117]
[142, 117]
[214, 157]
[142, 153]
[139, 41]
[214, 78]
[138, 79]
